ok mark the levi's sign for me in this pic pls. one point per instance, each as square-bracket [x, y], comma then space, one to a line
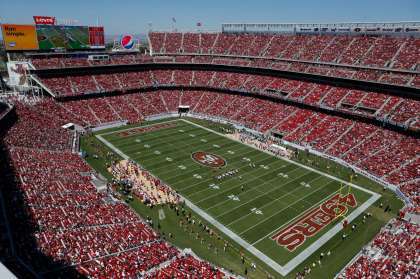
[48, 20]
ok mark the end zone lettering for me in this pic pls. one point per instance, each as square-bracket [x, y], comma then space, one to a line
[314, 221]
[141, 130]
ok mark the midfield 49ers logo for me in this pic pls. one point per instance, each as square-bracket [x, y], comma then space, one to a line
[208, 159]
[314, 221]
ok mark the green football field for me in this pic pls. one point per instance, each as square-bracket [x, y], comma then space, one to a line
[265, 196]
[69, 37]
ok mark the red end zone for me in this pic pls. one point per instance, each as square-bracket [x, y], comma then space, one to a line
[313, 221]
[142, 130]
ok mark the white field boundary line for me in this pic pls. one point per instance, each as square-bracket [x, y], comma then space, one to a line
[288, 160]
[293, 263]
[136, 127]
[190, 170]
[206, 180]
[159, 139]
[154, 137]
[226, 190]
[242, 154]
[253, 180]
[256, 189]
[196, 165]
[290, 193]
[296, 217]
[284, 270]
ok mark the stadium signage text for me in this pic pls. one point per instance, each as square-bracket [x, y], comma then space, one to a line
[12, 32]
[314, 221]
[47, 20]
[19, 37]
[208, 159]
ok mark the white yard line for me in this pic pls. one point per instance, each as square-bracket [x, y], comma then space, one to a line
[287, 160]
[297, 217]
[198, 166]
[202, 181]
[234, 208]
[282, 196]
[293, 263]
[227, 190]
[122, 130]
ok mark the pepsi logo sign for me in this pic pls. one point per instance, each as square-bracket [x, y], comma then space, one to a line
[208, 159]
[127, 41]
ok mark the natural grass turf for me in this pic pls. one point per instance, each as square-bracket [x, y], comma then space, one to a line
[148, 159]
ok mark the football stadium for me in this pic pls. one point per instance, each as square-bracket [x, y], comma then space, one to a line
[244, 150]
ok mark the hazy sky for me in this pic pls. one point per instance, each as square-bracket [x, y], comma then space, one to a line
[130, 16]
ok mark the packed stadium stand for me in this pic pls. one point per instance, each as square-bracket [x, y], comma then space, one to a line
[60, 215]
[360, 102]
[58, 211]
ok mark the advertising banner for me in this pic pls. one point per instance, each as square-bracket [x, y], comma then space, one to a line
[96, 37]
[48, 20]
[19, 37]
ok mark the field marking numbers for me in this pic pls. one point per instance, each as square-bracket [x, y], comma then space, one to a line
[284, 175]
[196, 175]
[256, 211]
[232, 209]
[214, 186]
[275, 200]
[298, 259]
[233, 197]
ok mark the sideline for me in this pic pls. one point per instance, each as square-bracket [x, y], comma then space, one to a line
[298, 259]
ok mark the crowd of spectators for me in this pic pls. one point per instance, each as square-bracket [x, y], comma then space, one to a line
[367, 74]
[357, 57]
[187, 267]
[394, 52]
[402, 111]
[392, 254]
[369, 147]
[58, 211]
[72, 223]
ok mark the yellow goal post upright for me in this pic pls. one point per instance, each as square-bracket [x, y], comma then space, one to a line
[342, 191]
